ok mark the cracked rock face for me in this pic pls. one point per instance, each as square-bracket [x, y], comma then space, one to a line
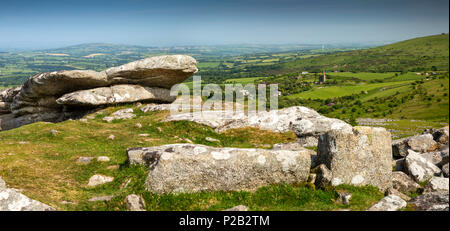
[419, 168]
[12, 200]
[192, 168]
[433, 201]
[56, 96]
[362, 156]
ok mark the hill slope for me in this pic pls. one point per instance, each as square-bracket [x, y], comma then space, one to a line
[419, 54]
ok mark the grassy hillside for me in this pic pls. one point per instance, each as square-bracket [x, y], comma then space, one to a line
[44, 166]
[419, 54]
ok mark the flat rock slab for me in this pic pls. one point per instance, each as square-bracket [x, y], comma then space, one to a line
[389, 203]
[100, 198]
[362, 156]
[99, 179]
[116, 94]
[192, 168]
[300, 120]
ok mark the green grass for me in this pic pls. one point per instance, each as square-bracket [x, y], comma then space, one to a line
[326, 92]
[44, 166]
[362, 75]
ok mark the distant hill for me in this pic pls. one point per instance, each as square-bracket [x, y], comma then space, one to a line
[419, 54]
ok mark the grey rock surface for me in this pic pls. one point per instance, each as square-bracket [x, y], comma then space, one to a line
[135, 203]
[433, 201]
[300, 120]
[12, 200]
[192, 168]
[419, 168]
[437, 184]
[389, 203]
[362, 156]
[124, 93]
[237, 208]
[419, 143]
[57, 96]
[403, 183]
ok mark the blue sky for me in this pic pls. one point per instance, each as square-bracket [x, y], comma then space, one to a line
[56, 23]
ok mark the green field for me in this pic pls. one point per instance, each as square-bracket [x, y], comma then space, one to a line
[339, 91]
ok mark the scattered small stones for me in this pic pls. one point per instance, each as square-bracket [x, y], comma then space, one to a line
[67, 203]
[188, 140]
[99, 179]
[100, 198]
[344, 197]
[237, 208]
[139, 125]
[84, 159]
[103, 159]
[389, 203]
[111, 137]
[120, 114]
[135, 203]
[144, 135]
[83, 120]
[159, 129]
[54, 132]
[437, 184]
[210, 139]
[113, 167]
[24, 142]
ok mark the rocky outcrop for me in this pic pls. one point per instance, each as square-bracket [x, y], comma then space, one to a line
[419, 143]
[303, 121]
[419, 168]
[12, 200]
[193, 168]
[403, 183]
[362, 156]
[56, 96]
[434, 201]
